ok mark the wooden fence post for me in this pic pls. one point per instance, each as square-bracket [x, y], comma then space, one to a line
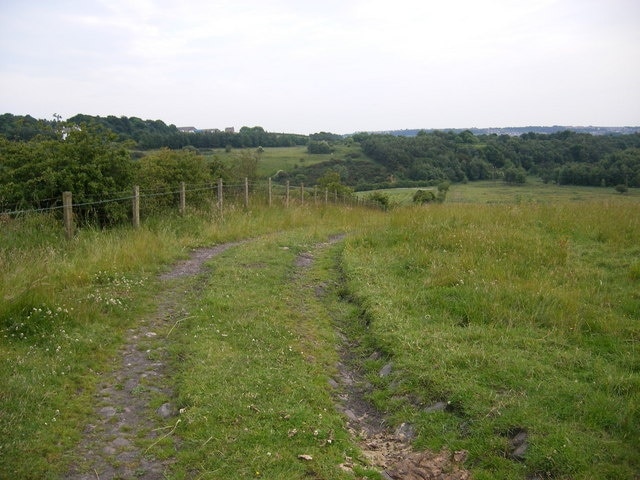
[183, 198]
[286, 202]
[67, 213]
[302, 194]
[269, 191]
[136, 207]
[326, 196]
[220, 193]
[246, 192]
[315, 195]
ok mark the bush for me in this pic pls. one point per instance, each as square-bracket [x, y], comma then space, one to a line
[380, 199]
[86, 162]
[160, 174]
[423, 196]
[621, 188]
[316, 147]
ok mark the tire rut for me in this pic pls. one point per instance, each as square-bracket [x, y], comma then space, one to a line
[385, 448]
[133, 408]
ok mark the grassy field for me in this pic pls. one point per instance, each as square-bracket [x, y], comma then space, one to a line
[517, 319]
[534, 191]
[502, 321]
[272, 160]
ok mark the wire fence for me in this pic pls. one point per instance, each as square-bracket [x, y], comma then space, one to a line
[130, 206]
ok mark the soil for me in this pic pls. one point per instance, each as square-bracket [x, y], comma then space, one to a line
[134, 402]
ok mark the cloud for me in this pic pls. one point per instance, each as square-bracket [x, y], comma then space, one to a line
[333, 65]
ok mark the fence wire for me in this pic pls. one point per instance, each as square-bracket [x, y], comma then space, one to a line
[285, 193]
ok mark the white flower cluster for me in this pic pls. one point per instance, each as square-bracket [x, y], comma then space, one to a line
[114, 289]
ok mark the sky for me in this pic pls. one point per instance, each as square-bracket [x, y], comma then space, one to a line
[338, 66]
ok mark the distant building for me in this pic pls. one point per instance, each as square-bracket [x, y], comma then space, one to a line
[204, 130]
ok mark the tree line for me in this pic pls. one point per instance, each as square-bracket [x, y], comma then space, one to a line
[429, 158]
[40, 159]
[99, 169]
[148, 134]
[564, 158]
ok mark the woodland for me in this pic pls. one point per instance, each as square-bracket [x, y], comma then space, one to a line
[98, 157]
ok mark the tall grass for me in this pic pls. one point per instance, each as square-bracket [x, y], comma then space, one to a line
[521, 318]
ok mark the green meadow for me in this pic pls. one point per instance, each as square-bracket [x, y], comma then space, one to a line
[506, 319]
[534, 191]
[271, 160]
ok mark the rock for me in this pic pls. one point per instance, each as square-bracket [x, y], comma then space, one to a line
[120, 442]
[350, 415]
[109, 450]
[165, 410]
[405, 432]
[107, 411]
[437, 407]
[519, 444]
[386, 370]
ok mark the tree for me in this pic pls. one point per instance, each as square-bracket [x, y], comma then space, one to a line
[515, 176]
[246, 165]
[160, 174]
[331, 182]
[319, 147]
[87, 162]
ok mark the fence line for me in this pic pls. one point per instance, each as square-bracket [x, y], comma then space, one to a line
[246, 194]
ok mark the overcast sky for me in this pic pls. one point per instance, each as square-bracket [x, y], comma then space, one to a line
[325, 65]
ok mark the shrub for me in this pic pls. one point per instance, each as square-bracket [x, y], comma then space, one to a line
[423, 196]
[379, 198]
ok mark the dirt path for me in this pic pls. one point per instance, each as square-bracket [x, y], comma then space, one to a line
[134, 403]
[127, 413]
[388, 449]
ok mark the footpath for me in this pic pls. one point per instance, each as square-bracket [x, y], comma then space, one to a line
[135, 407]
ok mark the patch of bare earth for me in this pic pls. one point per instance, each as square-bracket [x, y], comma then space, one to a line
[124, 419]
[385, 448]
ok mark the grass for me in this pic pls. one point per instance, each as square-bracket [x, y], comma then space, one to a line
[274, 159]
[519, 314]
[521, 319]
[65, 308]
[534, 191]
[254, 385]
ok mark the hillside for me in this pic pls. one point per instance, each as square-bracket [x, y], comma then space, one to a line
[363, 161]
[516, 131]
[565, 158]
